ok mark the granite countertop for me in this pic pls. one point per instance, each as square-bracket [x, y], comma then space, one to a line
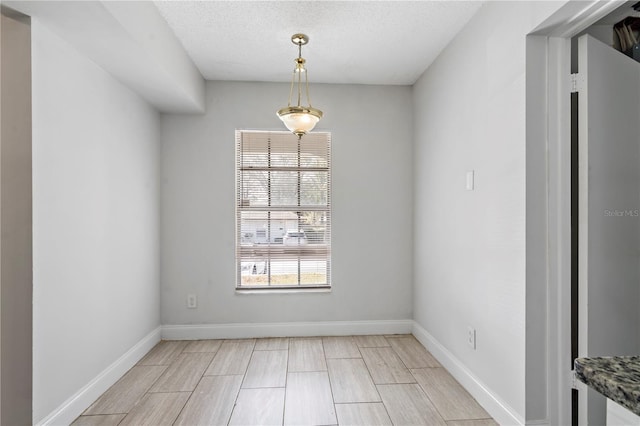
[616, 377]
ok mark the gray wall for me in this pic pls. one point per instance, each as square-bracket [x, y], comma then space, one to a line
[95, 220]
[470, 254]
[15, 223]
[372, 236]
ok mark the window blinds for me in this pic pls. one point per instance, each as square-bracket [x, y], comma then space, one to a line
[283, 210]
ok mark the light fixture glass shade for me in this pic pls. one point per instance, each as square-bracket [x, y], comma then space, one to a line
[300, 120]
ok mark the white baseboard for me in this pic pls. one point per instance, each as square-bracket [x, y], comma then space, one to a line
[495, 406]
[291, 329]
[74, 406]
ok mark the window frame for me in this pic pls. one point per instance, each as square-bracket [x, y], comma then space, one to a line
[274, 247]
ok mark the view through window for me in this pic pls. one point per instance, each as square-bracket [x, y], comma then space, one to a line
[283, 210]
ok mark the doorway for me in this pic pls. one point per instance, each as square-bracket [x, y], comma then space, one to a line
[549, 130]
[607, 219]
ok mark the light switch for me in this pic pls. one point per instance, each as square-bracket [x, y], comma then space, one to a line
[470, 180]
[192, 301]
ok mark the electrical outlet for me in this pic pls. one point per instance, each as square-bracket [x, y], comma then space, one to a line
[471, 337]
[192, 301]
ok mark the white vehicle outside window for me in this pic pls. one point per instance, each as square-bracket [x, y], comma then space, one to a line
[295, 238]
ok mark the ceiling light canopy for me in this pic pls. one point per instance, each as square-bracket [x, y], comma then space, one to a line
[300, 119]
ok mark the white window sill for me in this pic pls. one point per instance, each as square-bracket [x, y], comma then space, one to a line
[284, 291]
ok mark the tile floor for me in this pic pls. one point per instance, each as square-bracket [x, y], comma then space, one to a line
[353, 380]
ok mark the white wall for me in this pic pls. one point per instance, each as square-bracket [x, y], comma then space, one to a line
[96, 221]
[132, 42]
[15, 225]
[372, 238]
[470, 258]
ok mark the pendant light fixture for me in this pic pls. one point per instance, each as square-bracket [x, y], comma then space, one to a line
[299, 119]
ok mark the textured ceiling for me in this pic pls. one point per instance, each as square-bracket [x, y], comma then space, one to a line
[357, 42]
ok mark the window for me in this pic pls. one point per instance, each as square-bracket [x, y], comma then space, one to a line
[283, 210]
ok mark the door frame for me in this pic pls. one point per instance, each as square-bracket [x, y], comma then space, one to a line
[548, 199]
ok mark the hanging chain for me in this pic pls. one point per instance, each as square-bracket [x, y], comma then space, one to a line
[298, 70]
[291, 88]
[306, 78]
